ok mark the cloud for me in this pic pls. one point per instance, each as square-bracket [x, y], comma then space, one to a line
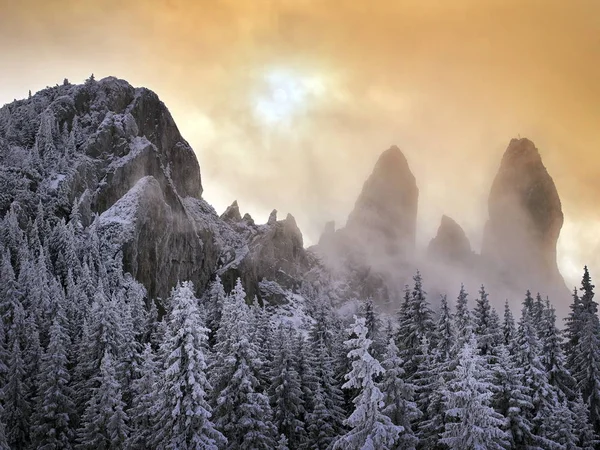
[448, 82]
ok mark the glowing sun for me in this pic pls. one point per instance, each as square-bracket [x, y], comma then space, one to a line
[284, 94]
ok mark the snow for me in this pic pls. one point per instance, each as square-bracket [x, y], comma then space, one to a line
[53, 184]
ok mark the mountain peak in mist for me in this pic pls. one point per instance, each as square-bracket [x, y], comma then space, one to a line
[385, 213]
[525, 217]
[451, 244]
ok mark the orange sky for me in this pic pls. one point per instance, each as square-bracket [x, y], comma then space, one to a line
[288, 103]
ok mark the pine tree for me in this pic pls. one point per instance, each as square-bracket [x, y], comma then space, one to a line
[285, 390]
[52, 427]
[535, 378]
[552, 355]
[104, 422]
[145, 402]
[17, 408]
[586, 360]
[102, 334]
[482, 323]
[185, 420]
[416, 324]
[321, 359]
[369, 427]
[374, 325]
[318, 424]
[398, 398]
[586, 437]
[512, 400]
[473, 422]
[214, 305]
[445, 334]
[242, 413]
[462, 318]
[509, 329]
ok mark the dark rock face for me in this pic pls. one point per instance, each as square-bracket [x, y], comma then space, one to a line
[232, 213]
[451, 244]
[274, 253]
[525, 219]
[384, 218]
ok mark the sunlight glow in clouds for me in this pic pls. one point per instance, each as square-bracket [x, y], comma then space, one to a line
[285, 94]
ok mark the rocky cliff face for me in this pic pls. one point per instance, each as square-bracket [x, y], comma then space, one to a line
[451, 244]
[525, 219]
[115, 152]
[384, 219]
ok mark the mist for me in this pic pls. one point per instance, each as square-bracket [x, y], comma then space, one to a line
[450, 84]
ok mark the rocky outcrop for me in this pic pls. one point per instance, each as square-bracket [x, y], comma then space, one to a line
[273, 253]
[451, 244]
[232, 213]
[525, 219]
[384, 218]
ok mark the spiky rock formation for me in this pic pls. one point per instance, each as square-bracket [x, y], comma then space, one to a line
[451, 244]
[525, 219]
[384, 218]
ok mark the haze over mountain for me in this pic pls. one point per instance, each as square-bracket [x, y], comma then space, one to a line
[277, 98]
[115, 154]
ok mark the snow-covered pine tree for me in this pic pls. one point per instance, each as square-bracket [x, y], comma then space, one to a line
[102, 334]
[512, 400]
[535, 378]
[416, 324]
[573, 325]
[374, 325]
[463, 320]
[482, 323]
[52, 425]
[398, 397]
[321, 359]
[369, 427]
[185, 421]
[472, 423]
[586, 360]
[104, 421]
[319, 427]
[509, 329]
[145, 402]
[444, 336]
[552, 355]
[214, 299]
[15, 393]
[241, 412]
[285, 391]
[587, 439]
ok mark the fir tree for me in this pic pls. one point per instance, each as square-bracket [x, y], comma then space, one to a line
[104, 422]
[462, 318]
[145, 402]
[473, 422]
[509, 329]
[586, 360]
[185, 420]
[398, 398]
[416, 323]
[482, 323]
[52, 427]
[369, 427]
[242, 413]
[512, 400]
[285, 390]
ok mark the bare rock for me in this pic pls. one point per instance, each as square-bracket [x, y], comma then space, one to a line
[451, 244]
[384, 218]
[525, 219]
[232, 213]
